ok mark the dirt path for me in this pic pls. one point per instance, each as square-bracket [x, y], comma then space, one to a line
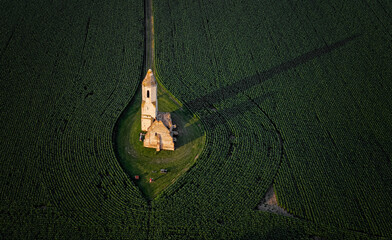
[149, 42]
[149, 58]
[270, 204]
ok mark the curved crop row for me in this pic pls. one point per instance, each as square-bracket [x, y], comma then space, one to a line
[69, 70]
[273, 88]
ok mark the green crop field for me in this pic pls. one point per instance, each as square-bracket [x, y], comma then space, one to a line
[315, 76]
[68, 69]
[289, 94]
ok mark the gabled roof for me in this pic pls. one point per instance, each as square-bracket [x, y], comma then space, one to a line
[158, 126]
[149, 79]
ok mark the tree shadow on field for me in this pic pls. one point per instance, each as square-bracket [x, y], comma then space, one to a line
[211, 117]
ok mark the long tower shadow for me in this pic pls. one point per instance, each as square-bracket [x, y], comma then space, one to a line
[204, 105]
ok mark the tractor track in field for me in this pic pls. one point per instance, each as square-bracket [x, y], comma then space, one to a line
[149, 64]
[149, 35]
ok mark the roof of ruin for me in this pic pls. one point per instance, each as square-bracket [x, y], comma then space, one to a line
[159, 127]
[149, 79]
[165, 117]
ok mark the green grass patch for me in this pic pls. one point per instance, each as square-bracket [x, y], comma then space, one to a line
[147, 162]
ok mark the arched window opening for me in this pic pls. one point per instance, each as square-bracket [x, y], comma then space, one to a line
[148, 94]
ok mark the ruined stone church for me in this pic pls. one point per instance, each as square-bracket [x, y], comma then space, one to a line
[158, 125]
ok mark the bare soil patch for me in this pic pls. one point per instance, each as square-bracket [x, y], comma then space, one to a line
[270, 204]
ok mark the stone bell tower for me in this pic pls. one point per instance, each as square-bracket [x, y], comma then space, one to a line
[149, 100]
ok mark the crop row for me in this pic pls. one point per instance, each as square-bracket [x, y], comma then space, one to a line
[69, 71]
[270, 85]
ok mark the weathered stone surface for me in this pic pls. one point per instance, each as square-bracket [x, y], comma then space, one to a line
[158, 125]
[159, 137]
[149, 79]
[165, 117]
[149, 101]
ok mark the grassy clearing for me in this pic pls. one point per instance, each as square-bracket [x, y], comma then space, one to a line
[147, 162]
